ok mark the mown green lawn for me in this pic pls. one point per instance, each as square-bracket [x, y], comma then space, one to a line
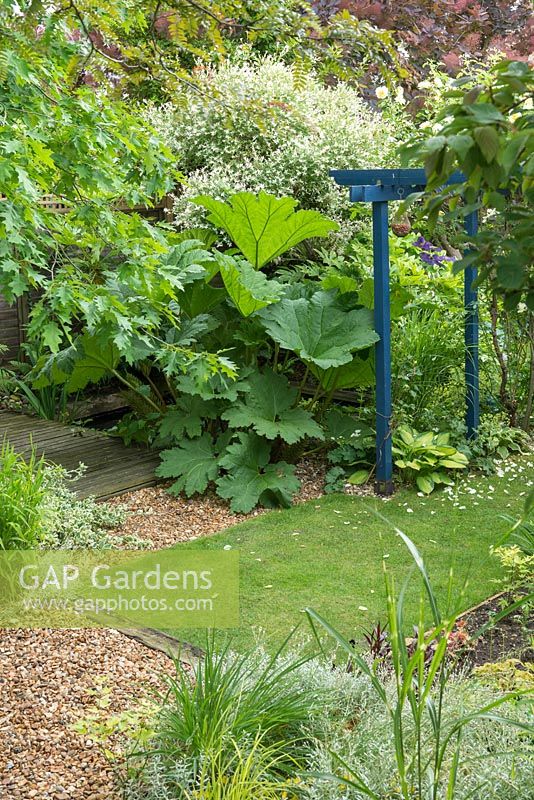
[328, 554]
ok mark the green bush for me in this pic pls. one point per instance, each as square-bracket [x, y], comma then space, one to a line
[39, 509]
[71, 523]
[22, 495]
[426, 458]
[253, 126]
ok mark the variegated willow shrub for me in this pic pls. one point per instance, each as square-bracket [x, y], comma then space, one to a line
[258, 125]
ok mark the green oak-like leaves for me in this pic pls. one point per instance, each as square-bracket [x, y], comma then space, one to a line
[319, 330]
[264, 226]
[249, 290]
[251, 479]
[268, 409]
[193, 463]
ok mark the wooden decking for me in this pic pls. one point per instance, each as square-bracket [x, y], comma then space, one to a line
[112, 468]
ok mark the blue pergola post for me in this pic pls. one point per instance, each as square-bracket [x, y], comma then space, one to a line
[379, 187]
[472, 388]
[384, 458]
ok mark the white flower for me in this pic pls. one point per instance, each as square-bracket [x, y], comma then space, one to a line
[399, 97]
[382, 92]
[424, 85]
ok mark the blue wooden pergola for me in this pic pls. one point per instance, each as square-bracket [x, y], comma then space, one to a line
[381, 187]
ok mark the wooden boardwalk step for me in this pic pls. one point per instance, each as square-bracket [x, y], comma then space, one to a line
[112, 468]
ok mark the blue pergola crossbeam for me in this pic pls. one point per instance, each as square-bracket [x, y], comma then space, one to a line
[380, 187]
[387, 177]
[382, 192]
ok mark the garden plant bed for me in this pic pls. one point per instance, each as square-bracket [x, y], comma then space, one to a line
[47, 676]
[510, 637]
[268, 362]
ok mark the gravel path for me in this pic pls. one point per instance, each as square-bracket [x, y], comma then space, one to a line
[46, 676]
[164, 519]
[46, 679]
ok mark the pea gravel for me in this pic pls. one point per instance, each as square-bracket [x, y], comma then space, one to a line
[46, 680]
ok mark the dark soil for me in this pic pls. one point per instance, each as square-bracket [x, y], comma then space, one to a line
[510, 637]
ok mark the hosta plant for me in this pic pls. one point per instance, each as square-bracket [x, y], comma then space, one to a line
[426, 458]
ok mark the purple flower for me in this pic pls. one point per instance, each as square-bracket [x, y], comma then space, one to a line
[430, 254]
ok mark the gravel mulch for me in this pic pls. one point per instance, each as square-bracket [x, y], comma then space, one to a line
[46, 679]
[165, 519]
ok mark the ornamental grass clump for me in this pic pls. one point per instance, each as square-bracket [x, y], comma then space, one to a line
[238, 720]
[22, 493]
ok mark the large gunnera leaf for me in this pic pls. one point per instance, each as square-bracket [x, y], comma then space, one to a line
[187, 416]
[319, 330]
[357, 373]
[268, 409]
[264, 226]
[251, 479]
[193, 462]
[249, 290]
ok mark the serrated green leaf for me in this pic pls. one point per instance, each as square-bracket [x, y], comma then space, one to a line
[485, 113]
[96, 358]
[199, 297]
[264, 226]
[249, 290]
[250, 476]
[511, 276]
[318, 330]
[268, 409]
[187, 417]
[193, 462]
[52, 336]
[512, 152]
[461, 144]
